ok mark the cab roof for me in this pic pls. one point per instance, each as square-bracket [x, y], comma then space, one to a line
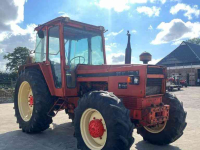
[68, 21]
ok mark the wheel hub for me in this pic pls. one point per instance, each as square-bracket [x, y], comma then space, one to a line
[96, 128]
[156, 128]
[93, 129]
[31, 100]
[25, 101]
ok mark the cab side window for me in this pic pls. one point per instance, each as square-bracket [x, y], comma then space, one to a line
[54, 55]
[40, 49]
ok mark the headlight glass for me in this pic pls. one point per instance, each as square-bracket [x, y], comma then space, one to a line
[136, 80]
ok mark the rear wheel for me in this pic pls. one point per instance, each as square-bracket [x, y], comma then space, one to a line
[169, 131]
[102, 122]
[32, 102]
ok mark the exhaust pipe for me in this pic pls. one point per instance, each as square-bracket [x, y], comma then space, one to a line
[128, 50]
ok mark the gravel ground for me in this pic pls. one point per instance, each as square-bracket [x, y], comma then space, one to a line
[60, 135]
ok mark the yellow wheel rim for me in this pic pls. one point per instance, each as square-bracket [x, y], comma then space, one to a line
[87, 117]
[25, 101]
[156, 128]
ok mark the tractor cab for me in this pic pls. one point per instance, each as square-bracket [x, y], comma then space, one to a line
[63, 44]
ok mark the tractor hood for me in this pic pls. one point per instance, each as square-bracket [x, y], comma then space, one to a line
[115, 75]
[104, 70]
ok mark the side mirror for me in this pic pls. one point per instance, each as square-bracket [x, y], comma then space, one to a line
[40, 34]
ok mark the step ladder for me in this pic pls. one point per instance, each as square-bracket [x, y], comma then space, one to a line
[59, 104]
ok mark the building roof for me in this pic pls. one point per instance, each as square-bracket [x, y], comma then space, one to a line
[185, 54]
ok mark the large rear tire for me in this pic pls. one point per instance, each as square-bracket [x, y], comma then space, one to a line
[106, 107]
[32, 101]
[174, 127]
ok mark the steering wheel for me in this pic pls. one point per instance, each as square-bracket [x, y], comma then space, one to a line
[79, 59]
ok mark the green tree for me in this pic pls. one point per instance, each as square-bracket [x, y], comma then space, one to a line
[194, 41]
[17, 58]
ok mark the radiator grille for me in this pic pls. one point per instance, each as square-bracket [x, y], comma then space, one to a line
[154, 86]
[154, 70]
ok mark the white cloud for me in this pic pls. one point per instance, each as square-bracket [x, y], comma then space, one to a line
[150, 27]
[4, 35]
[17, 30]
[11, 34]
[138, 1]
[116, 58]
[177, 42]
[150, 11]
[122, 5]
[176, 1]
[175, 31]
[117, 5]
[20, 12]
[1, 50]
[189, 11]
[115, 33]
[75, 16]
[12, 11]
[63, 14]
[162, 1]
[154, 61]
[133, 31]
[119, 58]
[110, 46]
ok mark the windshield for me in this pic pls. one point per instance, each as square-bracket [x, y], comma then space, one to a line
[82, 47]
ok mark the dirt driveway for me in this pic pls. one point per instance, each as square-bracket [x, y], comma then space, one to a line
[60, 135]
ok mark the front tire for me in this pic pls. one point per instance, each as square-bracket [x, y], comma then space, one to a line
[32, 101]
[174, 126]
[106, 108]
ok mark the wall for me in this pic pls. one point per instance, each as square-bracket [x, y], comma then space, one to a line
[186, 73]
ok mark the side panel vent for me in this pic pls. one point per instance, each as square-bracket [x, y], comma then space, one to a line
[154, 86]
[154, 70]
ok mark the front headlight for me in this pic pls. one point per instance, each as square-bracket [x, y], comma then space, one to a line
[136, 80]
[133, 80]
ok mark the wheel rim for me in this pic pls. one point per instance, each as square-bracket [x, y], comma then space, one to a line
[156, 128]
[90, 119]
[25, 101]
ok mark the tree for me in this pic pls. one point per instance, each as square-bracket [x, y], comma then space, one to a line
[194, 41]
[17, 58]
[6, 79]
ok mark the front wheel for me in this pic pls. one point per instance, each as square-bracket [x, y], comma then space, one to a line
[169, 131]
[102, 122]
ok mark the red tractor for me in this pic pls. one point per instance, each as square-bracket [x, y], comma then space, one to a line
[105, 102]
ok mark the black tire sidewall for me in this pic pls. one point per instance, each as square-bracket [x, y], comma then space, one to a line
[103, 106]
[24, 124]
[174, 127]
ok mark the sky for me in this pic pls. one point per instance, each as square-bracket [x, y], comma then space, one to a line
[156, 26]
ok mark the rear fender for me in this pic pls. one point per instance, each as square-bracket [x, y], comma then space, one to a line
[46, 71]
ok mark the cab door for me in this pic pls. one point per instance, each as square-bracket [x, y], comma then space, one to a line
[54, 58]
